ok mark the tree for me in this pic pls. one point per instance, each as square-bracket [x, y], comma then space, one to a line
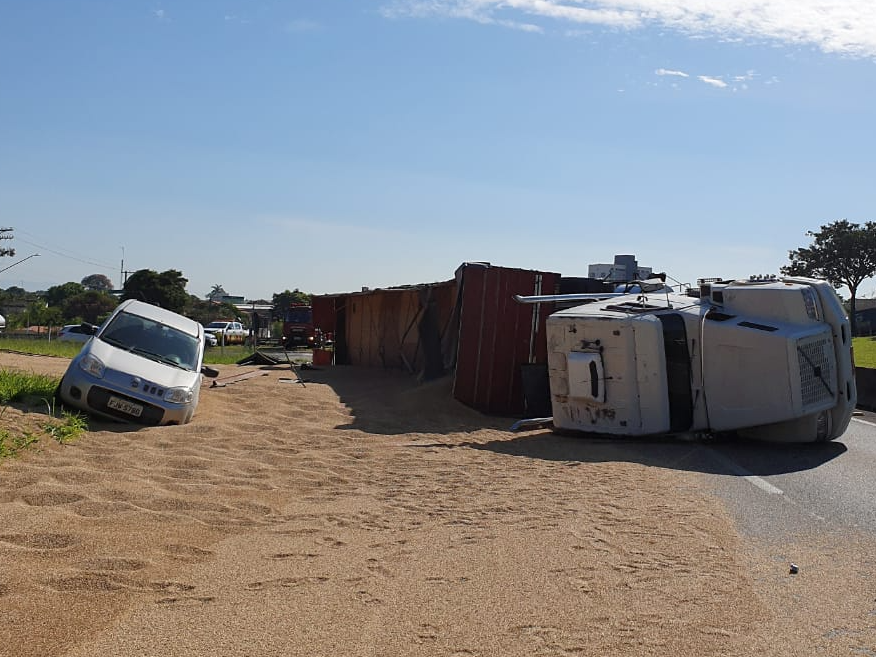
[58, 294]
[35, 313]
[207, 311]
[167, 289]
[91, 306]
[282, 300]
[97, 282]
[14, 292]
[216, 291]
[843, 253]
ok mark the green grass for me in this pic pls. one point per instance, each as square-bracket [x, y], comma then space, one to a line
[865, 352]
[35, 392]
[26, 387]
[11, 445]
[227, 355]
[71, 426]
[40, 346]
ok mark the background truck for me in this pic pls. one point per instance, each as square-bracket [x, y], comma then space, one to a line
[227, 331]
[298, 328]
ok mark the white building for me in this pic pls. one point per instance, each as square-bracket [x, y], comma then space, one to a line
[623, 269]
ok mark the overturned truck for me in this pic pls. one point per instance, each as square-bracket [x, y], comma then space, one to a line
[767, 358]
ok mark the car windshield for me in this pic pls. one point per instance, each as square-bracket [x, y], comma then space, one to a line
[152, 340]
[219, 325]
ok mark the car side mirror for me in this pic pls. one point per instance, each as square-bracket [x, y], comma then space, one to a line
[91, 329]
[206, 370]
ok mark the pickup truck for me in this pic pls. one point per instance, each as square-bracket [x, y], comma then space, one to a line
[227, 332]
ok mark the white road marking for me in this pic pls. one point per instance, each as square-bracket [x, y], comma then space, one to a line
[739, 471]
[867, 422]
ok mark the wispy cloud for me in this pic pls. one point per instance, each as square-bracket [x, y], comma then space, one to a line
[733, 82]
[664, 71]
[846, 27]
[160, 14]
[715, 82]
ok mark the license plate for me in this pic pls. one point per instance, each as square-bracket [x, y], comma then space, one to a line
[125, 406]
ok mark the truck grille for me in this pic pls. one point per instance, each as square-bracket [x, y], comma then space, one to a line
[815, 358]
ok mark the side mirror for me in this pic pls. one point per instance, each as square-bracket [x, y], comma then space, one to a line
[91, 329]
[206, 370]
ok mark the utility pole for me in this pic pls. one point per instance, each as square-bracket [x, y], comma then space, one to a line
[123, 273]
[6, 234]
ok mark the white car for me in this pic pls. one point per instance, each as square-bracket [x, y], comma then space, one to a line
[75, 333]
[143, 365]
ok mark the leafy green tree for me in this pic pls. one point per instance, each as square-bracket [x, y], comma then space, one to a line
[58, 294]
[207, 311]
[167, 289]
[36, 313]
[282, 300]
[97, 282]
[216, 291]
[15, 292]
[842, 253]
[91, 306]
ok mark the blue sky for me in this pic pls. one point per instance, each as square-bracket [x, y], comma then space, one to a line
[330, 145]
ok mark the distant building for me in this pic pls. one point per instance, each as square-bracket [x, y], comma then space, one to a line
[227, 298]
[624, 268]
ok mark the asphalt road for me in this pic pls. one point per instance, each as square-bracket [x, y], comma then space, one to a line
[776, 489]
[771, 490]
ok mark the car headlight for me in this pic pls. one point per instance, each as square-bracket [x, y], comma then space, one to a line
[93, 365]
[178, 395]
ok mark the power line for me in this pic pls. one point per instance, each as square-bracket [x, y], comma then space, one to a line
[42, 247]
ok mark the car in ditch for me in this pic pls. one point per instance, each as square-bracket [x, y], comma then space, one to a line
[144, 365]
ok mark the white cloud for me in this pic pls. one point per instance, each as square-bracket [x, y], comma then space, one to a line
[664, 71]
[160, 14]
[715, 82]
[846, 27]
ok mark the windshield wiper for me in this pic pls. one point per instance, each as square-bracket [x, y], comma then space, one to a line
[148, 354]
[116, 343]
[160, 358]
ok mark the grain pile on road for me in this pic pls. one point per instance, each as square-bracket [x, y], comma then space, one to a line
[361, 514]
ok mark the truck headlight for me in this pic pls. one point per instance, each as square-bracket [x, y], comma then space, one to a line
[178, 395]
[93, 366]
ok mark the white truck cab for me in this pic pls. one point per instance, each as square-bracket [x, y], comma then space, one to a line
[227, 331]
[768, 358]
